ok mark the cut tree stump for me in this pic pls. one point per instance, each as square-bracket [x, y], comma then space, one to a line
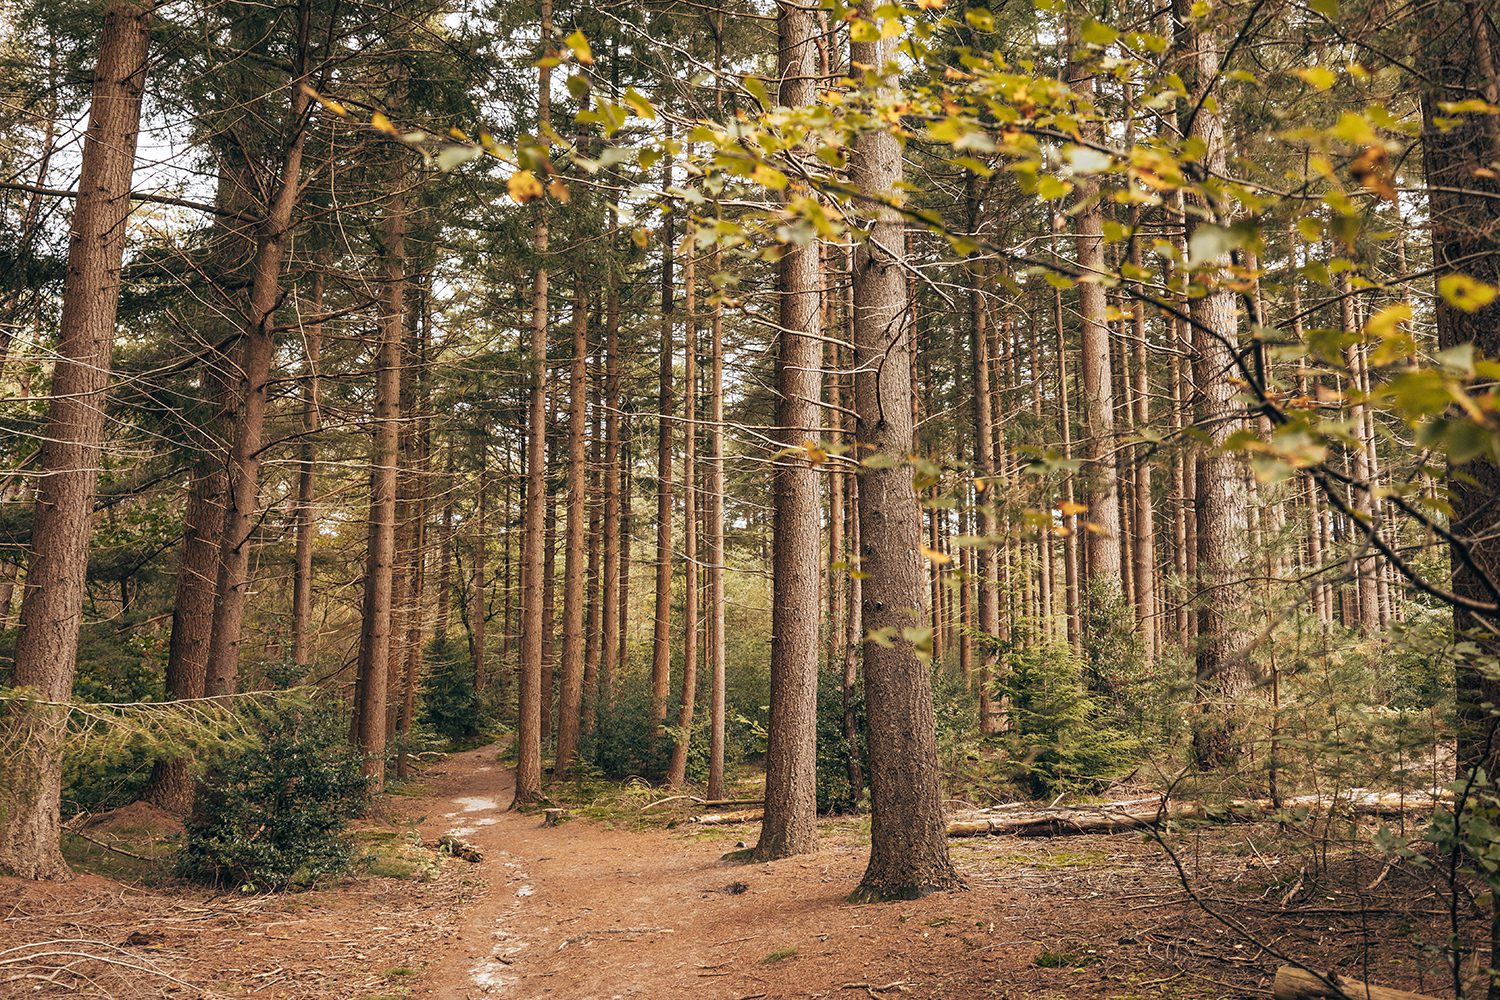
[553, 817]
[1295, 984]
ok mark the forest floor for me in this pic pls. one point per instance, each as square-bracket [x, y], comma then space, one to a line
[626, 908]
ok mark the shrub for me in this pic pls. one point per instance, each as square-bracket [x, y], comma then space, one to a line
[1064, 737]
[272, 816]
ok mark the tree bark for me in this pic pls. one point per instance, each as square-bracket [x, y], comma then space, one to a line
[677, 766]
[908, 847]
[232, 588]
[790, 825]
[614, 516]
[661, 644]
[307, 480]
[1222, 669]
[52, 606]
[1103, 582]
[372, 685]
[1457, 46]
[570, 693]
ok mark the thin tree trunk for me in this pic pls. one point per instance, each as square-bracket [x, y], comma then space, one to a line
[307, 480]
[677, 767]
[570, 694]
[478, 614]
[52, 607]
[373, 684]
[661, 644]
[714, 536]
[908, 847]
[986, 486]
[614, 516]
[250, 415]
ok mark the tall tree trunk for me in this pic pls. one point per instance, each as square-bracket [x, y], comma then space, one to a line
[713, 530]
[417, 565]
[661, 644]
[1143, 508]
[1222, 667]
[570, 694]
[1103, 583]
[790, 824]
[614, 515]
[677, 766]
[444, 598]
[1457, 57]
[549, 577]
[908, 843]
[233, 584]
[479, 612]
[307, 479]
[372, 685]
[985, 483]
[52, 607]
[533, 531]
[592, 642]
[1067, 506]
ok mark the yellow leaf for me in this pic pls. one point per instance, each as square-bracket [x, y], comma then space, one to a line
[1319, 77]
[815, 455]
[1070, 508]
[381, 123]
[980, 485]
[579, 45]
[524, 186]
[1463, 292]
[935, 557]
[558, 190]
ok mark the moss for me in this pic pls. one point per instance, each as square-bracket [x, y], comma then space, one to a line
[779, 955]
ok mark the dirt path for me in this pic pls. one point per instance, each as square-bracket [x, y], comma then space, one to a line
[583, 910]
[579, 910]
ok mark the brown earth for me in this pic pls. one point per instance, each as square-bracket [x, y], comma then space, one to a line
[584, 910]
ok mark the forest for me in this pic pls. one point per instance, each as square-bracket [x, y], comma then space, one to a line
[750, 499]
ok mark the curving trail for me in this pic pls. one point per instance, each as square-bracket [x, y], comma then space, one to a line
[579, 910]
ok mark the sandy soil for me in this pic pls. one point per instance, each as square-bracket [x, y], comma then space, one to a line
[581, 910]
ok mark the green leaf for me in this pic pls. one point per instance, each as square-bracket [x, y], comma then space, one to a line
[1328, 8]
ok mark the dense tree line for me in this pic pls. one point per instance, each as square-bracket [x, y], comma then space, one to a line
[683, 371]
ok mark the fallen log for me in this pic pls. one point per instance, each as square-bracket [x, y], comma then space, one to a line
[1296, 984]
[725, 818]
[1144, 814]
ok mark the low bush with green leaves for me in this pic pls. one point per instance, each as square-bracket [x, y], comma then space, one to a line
[272, 815]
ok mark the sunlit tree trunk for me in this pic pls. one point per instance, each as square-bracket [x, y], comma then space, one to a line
[312, 337]
[1103, 582]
